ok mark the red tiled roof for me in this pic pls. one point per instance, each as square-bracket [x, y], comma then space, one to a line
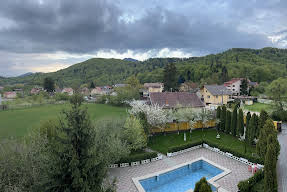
[233, 80]
[175, 99]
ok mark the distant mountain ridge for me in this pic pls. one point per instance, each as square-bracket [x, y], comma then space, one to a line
[25, 74]
[130, 59]
[258, 65]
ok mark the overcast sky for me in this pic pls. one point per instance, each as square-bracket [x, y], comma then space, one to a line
[47, 35]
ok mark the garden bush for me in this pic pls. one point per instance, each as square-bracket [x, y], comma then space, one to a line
[279, 115]
[184, 146]
[246, 185]
[138, 157]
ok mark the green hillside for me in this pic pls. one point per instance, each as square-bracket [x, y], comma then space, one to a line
[259, 65]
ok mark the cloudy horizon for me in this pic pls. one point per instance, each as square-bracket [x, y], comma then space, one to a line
[48, 35]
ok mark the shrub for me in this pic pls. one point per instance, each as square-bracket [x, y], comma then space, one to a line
[184, 146]
[138, 157]
[246, 185]
[279, 115]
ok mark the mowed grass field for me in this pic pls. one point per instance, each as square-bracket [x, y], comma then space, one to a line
[17, 123]
[257, 107]
[161, 143]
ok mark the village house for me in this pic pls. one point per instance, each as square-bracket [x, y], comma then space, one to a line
[152, 88]
[1, 88]
[10, 95]
[234, 85]
[85, 91]
[188, 87]
[36, 90]
[105, 90]
[119, 85]
[68, 91]
[171, 100]
[215, 94]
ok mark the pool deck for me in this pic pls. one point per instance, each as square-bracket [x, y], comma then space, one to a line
[239, 171]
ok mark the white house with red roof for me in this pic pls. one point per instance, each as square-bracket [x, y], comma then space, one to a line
[234, 85]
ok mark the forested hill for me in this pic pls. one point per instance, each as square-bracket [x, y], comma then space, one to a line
[259, 65]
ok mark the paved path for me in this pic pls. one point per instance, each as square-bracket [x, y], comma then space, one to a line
[281, 164]
[239, 171]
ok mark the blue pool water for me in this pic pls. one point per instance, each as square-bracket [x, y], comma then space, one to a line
[181, 179]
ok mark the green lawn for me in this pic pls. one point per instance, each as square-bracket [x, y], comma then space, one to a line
[257, 107]
[18, 122]
[161, 143]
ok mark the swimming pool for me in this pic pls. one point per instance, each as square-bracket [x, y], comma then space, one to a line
[182, 178]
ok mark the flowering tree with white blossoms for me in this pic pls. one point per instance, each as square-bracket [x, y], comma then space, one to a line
[156, 115]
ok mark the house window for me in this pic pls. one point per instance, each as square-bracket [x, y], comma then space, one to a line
[233, 86]
[216, 96]
[208, 96]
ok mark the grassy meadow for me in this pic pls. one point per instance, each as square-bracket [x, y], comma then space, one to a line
[257, 107]
[16, 123]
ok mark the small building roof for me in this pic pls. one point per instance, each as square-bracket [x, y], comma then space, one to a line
[175, 99]
[233, 80]
[218, 90]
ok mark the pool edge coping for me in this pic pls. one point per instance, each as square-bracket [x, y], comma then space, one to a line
[211, 180]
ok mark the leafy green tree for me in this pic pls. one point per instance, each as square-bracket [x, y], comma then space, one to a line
[80, 153]
[92, 85]
[270, 176]
[268, 129]
[277, 90]
[202, 186]
[224, 74]
[272, 140]
[134, 134]
[234, 122]
[240, 122]
[222, 118]
[262, 119]
[218, 113]
[49, 84]
[169, 77]
[228, 122]
[244, 87]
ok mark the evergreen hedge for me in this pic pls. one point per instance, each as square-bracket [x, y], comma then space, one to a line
[138, 157]
[184, 146]
[246, 185]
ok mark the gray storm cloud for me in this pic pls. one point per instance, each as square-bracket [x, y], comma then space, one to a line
[47, 26]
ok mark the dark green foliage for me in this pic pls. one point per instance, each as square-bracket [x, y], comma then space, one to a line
[252, 129]
[222, 118]
[49, 84]
[262, 118]
[234, 122]
[181, 79]
[169, 77]
[75, 168]
[184, 146]
[224, 74]
[279, 115]
[228, 122]
[268, 129]
[244, 87]
[202, 186]
[240, 122]
[247, 185]
[218, 113]
[92, 85]
[138, 157]
[270, 176]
